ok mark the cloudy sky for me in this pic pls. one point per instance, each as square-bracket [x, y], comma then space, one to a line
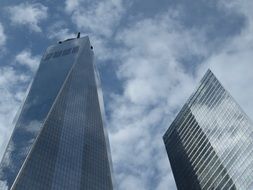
[151, 56]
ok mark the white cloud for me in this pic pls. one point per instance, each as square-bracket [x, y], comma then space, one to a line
[155, 85]
[60, 31]
[71, 5]
[98, 18]
[25, 58]
[150, 63]
[131, 182]
[61, 34]
[3, 37]
[28, 14]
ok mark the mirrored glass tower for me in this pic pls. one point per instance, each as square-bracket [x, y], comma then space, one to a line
[59, 141]
[210, 143]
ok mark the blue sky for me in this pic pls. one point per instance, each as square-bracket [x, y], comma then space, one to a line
[151, 56]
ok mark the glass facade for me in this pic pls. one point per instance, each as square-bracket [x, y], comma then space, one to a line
[210, 144]
[59, 141]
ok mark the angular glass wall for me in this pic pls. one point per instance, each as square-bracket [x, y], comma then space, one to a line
[210, 144]
[67, 149]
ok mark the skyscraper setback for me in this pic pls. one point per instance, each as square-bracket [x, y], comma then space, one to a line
[59, 140]
[210, 144]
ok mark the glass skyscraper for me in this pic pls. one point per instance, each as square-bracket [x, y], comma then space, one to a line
[210, 143]
[59, 141]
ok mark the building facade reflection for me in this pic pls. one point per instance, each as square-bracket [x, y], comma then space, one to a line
[210, 144]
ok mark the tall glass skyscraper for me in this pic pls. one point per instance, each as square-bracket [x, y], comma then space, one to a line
[210, 143]
[59, 141]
